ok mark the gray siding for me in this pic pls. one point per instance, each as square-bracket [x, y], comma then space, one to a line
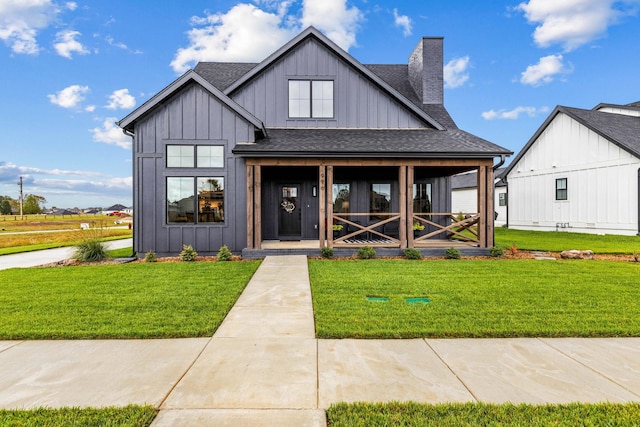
[358, 102]
[193, 116]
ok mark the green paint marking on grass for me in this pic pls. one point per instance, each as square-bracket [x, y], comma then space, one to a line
[377, 299]
[418, 300]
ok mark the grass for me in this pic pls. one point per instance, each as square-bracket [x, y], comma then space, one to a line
[138, 416]
[558, 241]
[481, 414]
[475, 298]
[141, 300]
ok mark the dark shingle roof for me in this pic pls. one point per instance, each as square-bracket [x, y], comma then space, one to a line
[470, 179]
[223, 74]
[312, 142]
[622, 130]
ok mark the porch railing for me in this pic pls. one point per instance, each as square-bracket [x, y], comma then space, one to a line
[366, 234]
[384, 232]
[462, 227]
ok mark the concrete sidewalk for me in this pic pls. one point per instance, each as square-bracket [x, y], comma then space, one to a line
[46, 256]
[264, 366]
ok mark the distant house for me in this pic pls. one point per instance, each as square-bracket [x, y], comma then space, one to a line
[464, 194]
[580, 172]
[275, 154]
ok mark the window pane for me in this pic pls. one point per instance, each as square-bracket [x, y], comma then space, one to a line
[502, 199]
[210, 156]
[180, 200]
[180, 156]
[341, 198]
[299, 98]
[322, 92]
[211, 199]
[422, 197]
[561, 189]
[380, 199]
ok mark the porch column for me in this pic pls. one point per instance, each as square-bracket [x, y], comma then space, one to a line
[490, 206]
[329, 204]
[322, 195]
[408, 229]
[485, 206]
[257, 207]
[404, 192]
[250, 198]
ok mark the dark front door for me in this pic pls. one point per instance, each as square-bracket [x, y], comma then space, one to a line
[290, 213]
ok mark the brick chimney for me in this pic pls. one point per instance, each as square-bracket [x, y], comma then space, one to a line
[426, 70]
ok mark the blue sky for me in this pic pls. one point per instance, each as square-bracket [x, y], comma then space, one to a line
[71, 69]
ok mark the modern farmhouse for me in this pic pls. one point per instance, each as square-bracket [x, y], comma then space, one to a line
[308, 148]
[579, 172]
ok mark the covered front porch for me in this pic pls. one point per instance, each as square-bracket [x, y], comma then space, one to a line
[389, 204]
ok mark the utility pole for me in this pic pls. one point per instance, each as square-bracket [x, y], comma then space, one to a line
[21, 199]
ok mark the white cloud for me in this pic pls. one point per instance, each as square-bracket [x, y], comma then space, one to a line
[71, 5]
[249, 33]
[572, 23]
[244, 33]
[66, 44]
[402, 21]
[456, 72]
[544, 71]
[514, 114]
[333, 18]
[20, 21]
[121, 99]
[110, 133]
[69, 97]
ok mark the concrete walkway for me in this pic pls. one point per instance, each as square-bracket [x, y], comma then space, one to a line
[264, 367]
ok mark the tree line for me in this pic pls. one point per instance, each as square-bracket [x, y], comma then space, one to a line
[31, 204]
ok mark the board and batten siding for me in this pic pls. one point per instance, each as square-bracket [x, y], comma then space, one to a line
[602, 182]
[193, 116]
[358, 102]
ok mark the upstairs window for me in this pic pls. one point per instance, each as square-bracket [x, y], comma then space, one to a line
[561, 189]
[190, 156]
[311, 98]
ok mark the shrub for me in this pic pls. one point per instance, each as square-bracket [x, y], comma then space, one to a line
[150, 257]
[188, 254]
[224, 254]
[90, 250]
[326, 252]
[452, 253]
[366, 252]
[496, 252]
[412, 253]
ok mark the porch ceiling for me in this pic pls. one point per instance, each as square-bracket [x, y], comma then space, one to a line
[421, 143]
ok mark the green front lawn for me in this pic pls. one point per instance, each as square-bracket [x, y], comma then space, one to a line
[558, 241]
[128, 416]
[141, 300]
[481, 414]
[475, 298]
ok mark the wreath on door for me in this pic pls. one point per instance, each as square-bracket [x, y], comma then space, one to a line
[288, 206]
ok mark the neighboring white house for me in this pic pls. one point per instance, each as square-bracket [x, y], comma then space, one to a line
[579, 172]
[464, 195]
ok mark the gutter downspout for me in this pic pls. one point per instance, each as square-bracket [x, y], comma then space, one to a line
[132, 135]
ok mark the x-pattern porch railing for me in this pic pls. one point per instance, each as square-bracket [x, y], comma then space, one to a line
[364, 232]
[461, 228]
[457, 227]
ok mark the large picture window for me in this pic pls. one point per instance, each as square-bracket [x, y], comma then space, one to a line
[341, 198]
[561, 189]
[195, 200]
[380, 199]
[190, 156]
[311, 98]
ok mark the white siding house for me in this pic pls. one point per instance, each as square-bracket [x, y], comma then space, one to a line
[579, 172]
[464, 195]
